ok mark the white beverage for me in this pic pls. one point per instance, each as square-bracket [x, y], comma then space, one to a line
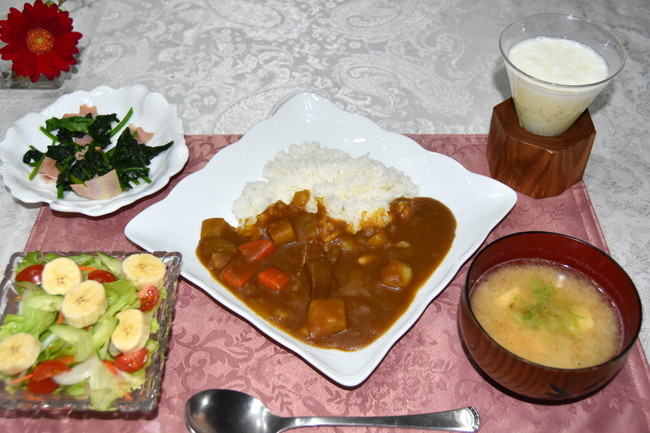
[567, 77]
[559, 61]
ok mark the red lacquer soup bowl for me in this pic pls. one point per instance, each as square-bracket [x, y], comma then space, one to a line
[529, 380]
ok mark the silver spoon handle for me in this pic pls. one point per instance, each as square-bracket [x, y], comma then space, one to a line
[462, 420]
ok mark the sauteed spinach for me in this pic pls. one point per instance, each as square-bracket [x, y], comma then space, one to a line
[77, 162]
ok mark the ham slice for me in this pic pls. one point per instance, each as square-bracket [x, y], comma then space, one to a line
[48, 171]
[142, 136]
[83, 110]
[82, 141]
[99, 187]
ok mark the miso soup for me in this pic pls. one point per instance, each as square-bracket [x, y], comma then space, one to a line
[547, 313]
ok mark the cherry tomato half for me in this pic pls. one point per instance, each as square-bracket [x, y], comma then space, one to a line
[45, 386]
[132, 361]
[101, 276]
[47, 369]
[148, 298]
[31, 274]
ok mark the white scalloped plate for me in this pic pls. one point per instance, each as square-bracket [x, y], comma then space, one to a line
[151, 111]
[478, 203]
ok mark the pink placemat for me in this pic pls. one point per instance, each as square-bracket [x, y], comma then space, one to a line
[425, 371]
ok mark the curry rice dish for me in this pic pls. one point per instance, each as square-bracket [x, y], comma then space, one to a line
[327, 281]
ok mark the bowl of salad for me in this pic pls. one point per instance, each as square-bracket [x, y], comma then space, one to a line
[85, 331]
[94, 152]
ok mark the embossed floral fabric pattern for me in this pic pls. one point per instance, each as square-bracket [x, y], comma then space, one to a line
[425, 371]
[411, 66]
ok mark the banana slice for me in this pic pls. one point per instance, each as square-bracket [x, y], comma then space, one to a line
[84, 304]
[132, 332]
[144, 269]
[60, 275]
[18, 352]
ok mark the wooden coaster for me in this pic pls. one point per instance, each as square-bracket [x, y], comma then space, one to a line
[536, 165]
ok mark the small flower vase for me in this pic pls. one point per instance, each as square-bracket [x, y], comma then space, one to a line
[41, 39]
[13, 81]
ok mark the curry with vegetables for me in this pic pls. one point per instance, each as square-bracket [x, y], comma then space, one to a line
[307, 274]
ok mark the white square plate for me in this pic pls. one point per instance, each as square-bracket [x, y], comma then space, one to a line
[478, 203]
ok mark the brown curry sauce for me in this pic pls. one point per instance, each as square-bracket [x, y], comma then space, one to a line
[362, 283]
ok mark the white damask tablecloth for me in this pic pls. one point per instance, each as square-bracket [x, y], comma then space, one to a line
[412, 66]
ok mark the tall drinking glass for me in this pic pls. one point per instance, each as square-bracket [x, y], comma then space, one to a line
[557, 64]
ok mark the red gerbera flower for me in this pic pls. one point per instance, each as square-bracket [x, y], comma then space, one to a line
[39, 40]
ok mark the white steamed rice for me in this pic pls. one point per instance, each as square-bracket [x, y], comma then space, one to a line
[356, 190]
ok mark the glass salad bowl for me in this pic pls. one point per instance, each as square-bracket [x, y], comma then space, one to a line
[145, 398]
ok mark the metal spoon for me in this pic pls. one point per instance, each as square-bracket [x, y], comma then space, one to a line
[228, 411]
